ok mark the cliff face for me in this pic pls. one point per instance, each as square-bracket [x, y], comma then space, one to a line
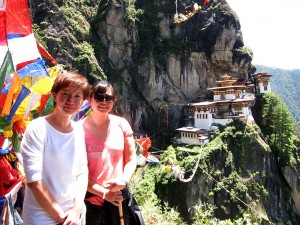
[237, 172]
[153, 61]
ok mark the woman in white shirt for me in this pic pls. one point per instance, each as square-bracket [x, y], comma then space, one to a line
[54, 158]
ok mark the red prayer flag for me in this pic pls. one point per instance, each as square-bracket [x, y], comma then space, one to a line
[146, 144]
[43, 101]
[18, 18]
[46, 54]
[3, 40]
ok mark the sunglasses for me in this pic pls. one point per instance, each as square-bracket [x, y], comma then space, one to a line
[101, 98]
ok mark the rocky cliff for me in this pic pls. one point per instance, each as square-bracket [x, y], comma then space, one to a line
[157, 64]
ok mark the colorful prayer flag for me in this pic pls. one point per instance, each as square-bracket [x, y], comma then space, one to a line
[6, 69]
[22, 95]
[38, 68]
[23, 49]
[15, 86]
[18, 18]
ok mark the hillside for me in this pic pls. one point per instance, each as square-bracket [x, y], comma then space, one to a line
[285, 83]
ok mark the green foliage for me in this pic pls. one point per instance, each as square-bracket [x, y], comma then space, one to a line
[220, 162]
[204, 215]
[244, 51]
[144, 191]
[153, 215]
[285, 83]
[132, 13]
[76, 21]
[87, 8]
[279, 128]
[85, 59]
[39, 33]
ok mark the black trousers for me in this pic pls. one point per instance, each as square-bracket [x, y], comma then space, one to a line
[108, 214]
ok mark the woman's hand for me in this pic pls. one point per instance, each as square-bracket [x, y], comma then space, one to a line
[73, 216]
[115, 185]
[114, 198]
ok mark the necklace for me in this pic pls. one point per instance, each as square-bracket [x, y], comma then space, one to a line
[99, 137]
[95, 127]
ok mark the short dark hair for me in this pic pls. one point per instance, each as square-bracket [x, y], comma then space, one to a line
[73, 79]
[101, 87]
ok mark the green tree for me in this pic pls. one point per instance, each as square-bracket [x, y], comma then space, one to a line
[279, 128]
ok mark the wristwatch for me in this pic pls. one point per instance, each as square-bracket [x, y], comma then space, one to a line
[126, 183]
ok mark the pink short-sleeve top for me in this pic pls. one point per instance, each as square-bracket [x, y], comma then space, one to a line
[105, 157]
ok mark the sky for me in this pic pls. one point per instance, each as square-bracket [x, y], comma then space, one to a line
[271, 28]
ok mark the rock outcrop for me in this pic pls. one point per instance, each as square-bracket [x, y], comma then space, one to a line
[153, 61]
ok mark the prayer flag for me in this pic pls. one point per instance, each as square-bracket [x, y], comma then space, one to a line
[146, 144]
[2, 4]
[42, 86]
[18, 18]
[15, 86]
[44, 53]
[38, 68]
[6, 69]
[34, 99]
[48, 107]
[43, 101]
[3, 40]
[22, 95]
[23, 49]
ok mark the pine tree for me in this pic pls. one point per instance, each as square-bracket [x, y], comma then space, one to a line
[279, 128]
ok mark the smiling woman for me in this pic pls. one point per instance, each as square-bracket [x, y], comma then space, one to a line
[54, 157]
[111, 159]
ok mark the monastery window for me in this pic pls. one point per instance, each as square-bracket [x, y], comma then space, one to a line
[265, 84]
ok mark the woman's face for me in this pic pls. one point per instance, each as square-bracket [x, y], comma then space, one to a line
[69, 100]
[102, 103]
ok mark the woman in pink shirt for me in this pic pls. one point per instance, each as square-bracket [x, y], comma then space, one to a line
[111, 157]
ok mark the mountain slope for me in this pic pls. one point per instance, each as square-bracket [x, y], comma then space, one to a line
[285, 83]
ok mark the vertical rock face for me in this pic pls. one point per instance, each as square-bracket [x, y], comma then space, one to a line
[172, 62]
[158, 60]
[292, 176]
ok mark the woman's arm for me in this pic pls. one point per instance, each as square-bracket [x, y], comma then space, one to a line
[73, 215]
[46, 200]
[129, 166]
[129, 158]
[82, 184]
